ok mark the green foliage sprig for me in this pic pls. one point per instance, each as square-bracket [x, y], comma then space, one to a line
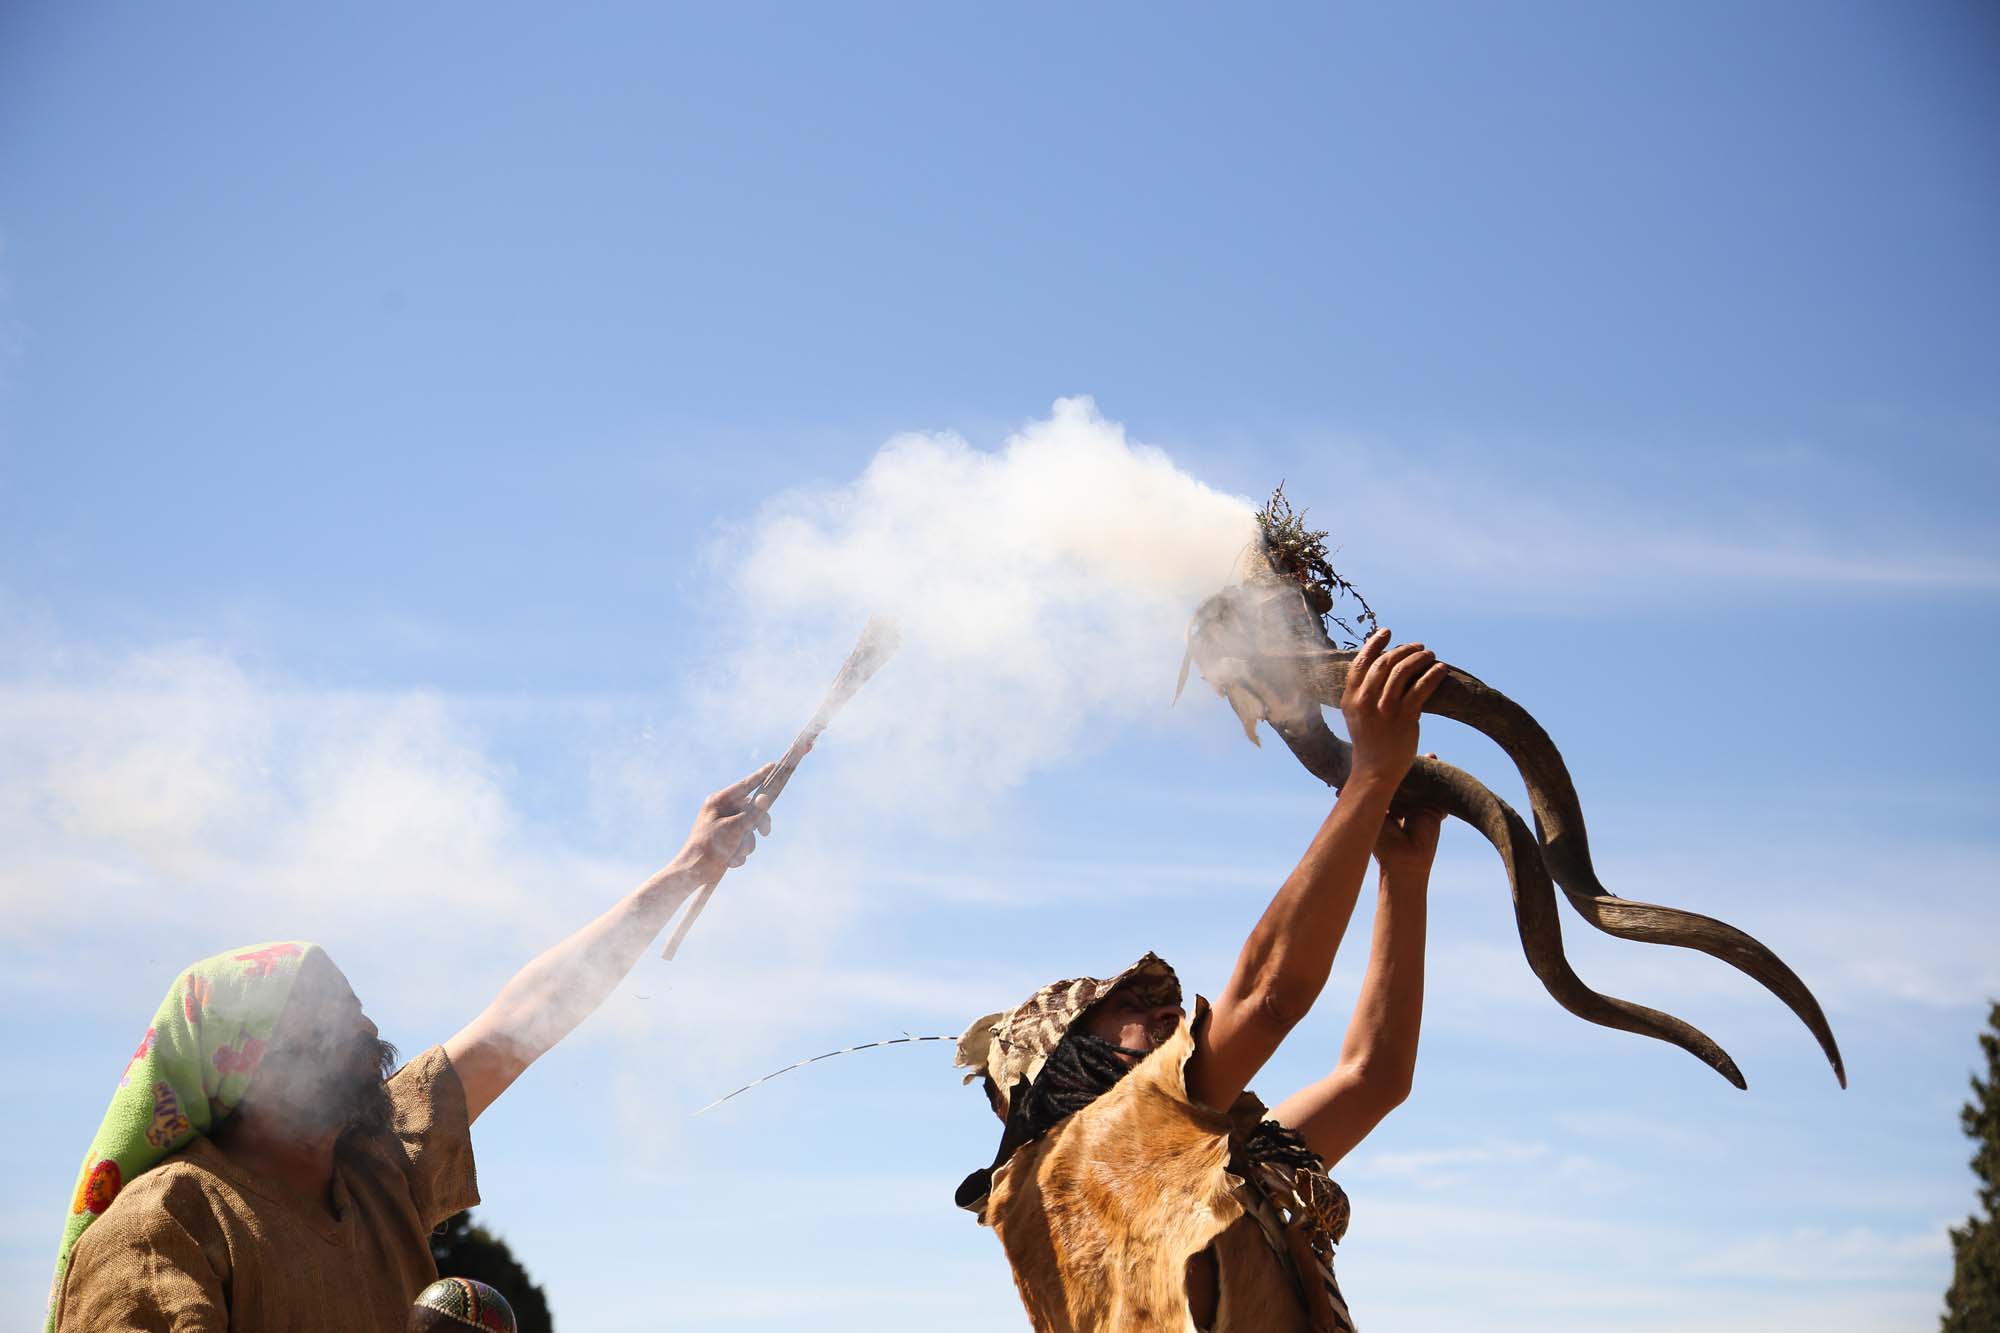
[1299, 553]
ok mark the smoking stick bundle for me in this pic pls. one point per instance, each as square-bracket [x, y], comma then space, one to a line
[879, 639]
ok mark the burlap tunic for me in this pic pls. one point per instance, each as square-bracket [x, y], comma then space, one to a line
[198, 1244]
[1100, 1216]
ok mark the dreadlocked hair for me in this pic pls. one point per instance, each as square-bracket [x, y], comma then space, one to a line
[1281, 1145]
[1081, 1068]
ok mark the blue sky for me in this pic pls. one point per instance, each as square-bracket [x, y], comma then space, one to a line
[389, 404]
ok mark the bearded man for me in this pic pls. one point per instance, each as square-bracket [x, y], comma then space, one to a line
[260, 1169]
[1139, 1186]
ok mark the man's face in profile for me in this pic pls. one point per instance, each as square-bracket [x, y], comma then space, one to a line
[326, 1066]
[1123, 1018]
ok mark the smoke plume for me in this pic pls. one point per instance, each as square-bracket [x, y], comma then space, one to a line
[1042, 589]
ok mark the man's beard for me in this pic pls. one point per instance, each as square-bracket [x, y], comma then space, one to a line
[369, 1111]
[353, 1099]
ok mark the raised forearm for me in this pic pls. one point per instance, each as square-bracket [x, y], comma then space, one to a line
[1381, 1041]
[551, 995]
[1289, 954]
[545, 1000]
[1378, 1057]
[1285, 962]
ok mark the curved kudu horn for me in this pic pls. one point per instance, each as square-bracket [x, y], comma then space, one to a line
[1262, 649]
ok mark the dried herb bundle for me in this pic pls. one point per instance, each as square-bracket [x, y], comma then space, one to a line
[1300, 554]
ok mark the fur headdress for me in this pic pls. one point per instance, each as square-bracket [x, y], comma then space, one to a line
[1011, 1047]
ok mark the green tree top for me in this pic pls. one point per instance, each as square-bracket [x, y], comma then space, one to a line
[463, 1249]
[1972, 1305]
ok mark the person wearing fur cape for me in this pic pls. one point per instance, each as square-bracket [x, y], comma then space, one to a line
[1139, 1186]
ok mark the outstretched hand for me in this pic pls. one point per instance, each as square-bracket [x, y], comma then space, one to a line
[1384, 698]
[725, 830]
[551, 995]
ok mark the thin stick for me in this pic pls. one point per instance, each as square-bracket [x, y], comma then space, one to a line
[879, 639]
[845, 1050]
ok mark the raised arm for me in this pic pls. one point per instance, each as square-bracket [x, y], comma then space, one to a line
[1378, 1058]
[551, 995]
[1284, 964]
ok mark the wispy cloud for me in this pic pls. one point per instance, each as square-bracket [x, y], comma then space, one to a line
[198, 805]
[1810, 560]
[1459, 519]
[1038, 882]
[1826, 907]
[1453, 1168]
[1823, 1255]
[1569, 1269]
[173, 790]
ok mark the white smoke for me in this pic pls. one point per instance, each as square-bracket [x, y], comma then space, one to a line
[1043, 590]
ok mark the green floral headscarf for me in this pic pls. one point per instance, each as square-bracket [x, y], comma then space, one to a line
[189, 1072]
